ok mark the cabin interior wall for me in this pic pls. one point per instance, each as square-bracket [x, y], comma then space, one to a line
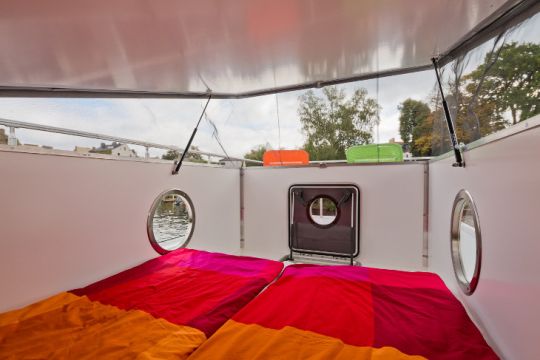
[391, 209]
[68, 221]
[503, 178]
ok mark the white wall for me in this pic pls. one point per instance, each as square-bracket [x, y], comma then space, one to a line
[56, 228]
[56, 232]
[391, 208]
[503, 178]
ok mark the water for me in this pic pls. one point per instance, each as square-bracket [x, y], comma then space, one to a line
[172, 224]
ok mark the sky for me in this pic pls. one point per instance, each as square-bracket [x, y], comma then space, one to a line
[242, 123]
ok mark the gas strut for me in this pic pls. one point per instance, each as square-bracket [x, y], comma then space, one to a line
[457, 151]
[186, 149]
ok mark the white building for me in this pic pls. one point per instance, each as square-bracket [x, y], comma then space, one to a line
[124, 151]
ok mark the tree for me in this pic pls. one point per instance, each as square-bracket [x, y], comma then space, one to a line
[425, 137]
[509, 80]
[412, 114]
[256, 153]
[191, 157]
[170, 155]
[332, 123]
[3, 137]
[505, 83]
[476, 120]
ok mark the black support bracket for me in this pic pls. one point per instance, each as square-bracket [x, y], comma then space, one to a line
[451, 129]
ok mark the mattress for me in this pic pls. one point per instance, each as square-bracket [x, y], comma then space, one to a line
[164, 308]
[346, 312]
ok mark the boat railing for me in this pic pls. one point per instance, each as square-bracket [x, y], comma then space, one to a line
[14, 124]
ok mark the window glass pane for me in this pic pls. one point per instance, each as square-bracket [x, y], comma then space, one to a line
[171, 221]
[492, 87]
[467, 242]
[323, 211]
[325, 122]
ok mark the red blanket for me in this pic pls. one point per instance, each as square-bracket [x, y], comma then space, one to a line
[187, 287]
[343, 312]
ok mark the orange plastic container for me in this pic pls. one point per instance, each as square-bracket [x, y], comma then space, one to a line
[285, 157]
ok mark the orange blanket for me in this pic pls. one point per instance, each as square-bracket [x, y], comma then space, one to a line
[254, 342]
[71, 326]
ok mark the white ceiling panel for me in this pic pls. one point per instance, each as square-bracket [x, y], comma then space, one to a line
[229, 47]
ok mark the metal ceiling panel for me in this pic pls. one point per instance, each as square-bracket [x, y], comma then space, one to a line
[230, 47]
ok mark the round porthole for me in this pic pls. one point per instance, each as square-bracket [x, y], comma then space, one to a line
[323, 211]
[171, 221]
[466, 242]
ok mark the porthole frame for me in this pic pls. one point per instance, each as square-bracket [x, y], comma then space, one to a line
[150, 221]
[309, 215]
[461, 199]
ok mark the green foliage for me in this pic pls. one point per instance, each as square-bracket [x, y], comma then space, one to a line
[412, 113]
[509, 80]
[424, 138]
[3, 137]
[191, 157]
[476, 120]
[332, 123]
[256, 153]
[170, 155]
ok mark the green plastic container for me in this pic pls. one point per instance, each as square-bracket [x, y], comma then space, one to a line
[374, 153]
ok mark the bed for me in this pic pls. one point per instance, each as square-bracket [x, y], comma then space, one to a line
[346, 312]
[164, 308]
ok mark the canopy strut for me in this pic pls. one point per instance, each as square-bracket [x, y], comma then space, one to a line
[186, 149]
[457, 151]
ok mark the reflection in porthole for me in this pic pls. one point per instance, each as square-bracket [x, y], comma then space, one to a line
[171, 221]
[466, 242]
[323, 211]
